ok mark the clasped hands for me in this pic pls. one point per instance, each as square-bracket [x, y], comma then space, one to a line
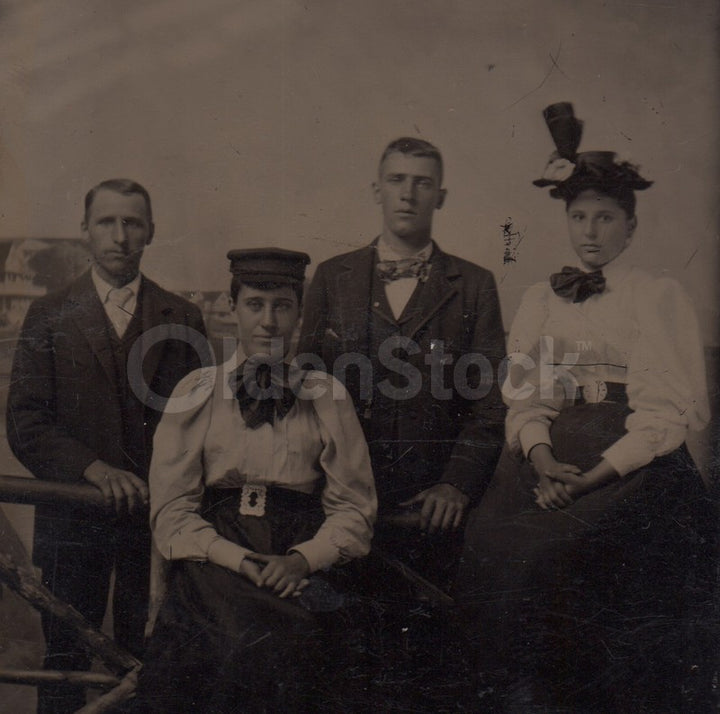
[442, 508]
[125, 493]
[560, 484]
[285, 575]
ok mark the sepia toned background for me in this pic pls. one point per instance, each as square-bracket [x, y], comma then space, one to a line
[260, 122]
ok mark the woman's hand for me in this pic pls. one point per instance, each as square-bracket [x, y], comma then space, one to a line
[557, 482]
[284, 574]
[550, 494]
[571, 484]
[597, 477]
[251, 570]
[544, 463]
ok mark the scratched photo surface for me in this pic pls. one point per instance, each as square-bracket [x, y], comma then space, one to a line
[261, 122]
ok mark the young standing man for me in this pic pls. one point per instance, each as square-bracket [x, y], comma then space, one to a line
[416, 335]
[79, 411]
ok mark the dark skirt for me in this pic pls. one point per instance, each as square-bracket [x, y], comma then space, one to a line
[223, 645]
[594, 602]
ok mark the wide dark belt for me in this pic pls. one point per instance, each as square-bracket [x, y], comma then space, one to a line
[599, 391]
[256, 499]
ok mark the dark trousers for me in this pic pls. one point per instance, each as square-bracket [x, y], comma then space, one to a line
[401, 653]
[406, 656]
[79, 574]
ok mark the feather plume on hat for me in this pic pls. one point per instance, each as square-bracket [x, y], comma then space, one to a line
[568, 171]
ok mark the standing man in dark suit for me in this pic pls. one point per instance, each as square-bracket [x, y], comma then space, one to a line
[94, 366]
[416, 335]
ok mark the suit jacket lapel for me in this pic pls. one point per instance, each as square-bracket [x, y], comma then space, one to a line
[354, 296]
[352, 288]
[88, 313]
[360, 294]
[154, 312]
[437, 290]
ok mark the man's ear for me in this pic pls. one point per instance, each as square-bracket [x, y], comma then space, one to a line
[376, 192]
[151, 233]
[441, 199]
[84, 229]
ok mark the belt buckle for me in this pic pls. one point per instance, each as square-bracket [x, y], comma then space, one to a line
[595, 392]
[252, 500]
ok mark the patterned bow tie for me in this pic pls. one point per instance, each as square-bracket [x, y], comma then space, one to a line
[263, 391]
[577, 284]
[389, 270]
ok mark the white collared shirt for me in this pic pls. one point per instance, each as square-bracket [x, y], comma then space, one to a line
[208, 444]
[104, 289]
[642, 332]
[398, 292]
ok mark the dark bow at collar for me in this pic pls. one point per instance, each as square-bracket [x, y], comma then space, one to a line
[264, 391]
[577, 284]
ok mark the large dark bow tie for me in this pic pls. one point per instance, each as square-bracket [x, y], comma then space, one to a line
[577, 284]
[263, 391]
[389, 270]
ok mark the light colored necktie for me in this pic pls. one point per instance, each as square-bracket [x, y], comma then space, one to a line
[117, 312]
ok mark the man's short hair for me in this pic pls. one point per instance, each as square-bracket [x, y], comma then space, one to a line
[413, 147]
[119, 185]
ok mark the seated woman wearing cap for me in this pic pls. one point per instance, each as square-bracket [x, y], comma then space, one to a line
[576, 563]
[260, 477]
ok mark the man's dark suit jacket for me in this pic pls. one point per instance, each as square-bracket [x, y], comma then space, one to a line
[63, 409]
[423, 440]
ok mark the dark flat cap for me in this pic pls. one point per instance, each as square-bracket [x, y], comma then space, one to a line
[269, 265]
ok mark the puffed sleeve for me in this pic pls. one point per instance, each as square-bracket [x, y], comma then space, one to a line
[176, 478]
[531, 410]
[666, 378]
[348, 498]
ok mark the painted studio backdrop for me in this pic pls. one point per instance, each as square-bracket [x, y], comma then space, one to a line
[260, 122]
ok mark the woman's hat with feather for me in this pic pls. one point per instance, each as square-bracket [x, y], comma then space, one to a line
[570, 172]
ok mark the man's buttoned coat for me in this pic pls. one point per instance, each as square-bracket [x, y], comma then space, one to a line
[438, 424]
[65, 404]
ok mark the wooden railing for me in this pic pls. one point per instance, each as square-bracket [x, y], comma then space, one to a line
[18, 573]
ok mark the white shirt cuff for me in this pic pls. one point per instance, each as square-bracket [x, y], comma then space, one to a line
[227, 554]
[625, 462]
[640, 446]
[318, 554]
